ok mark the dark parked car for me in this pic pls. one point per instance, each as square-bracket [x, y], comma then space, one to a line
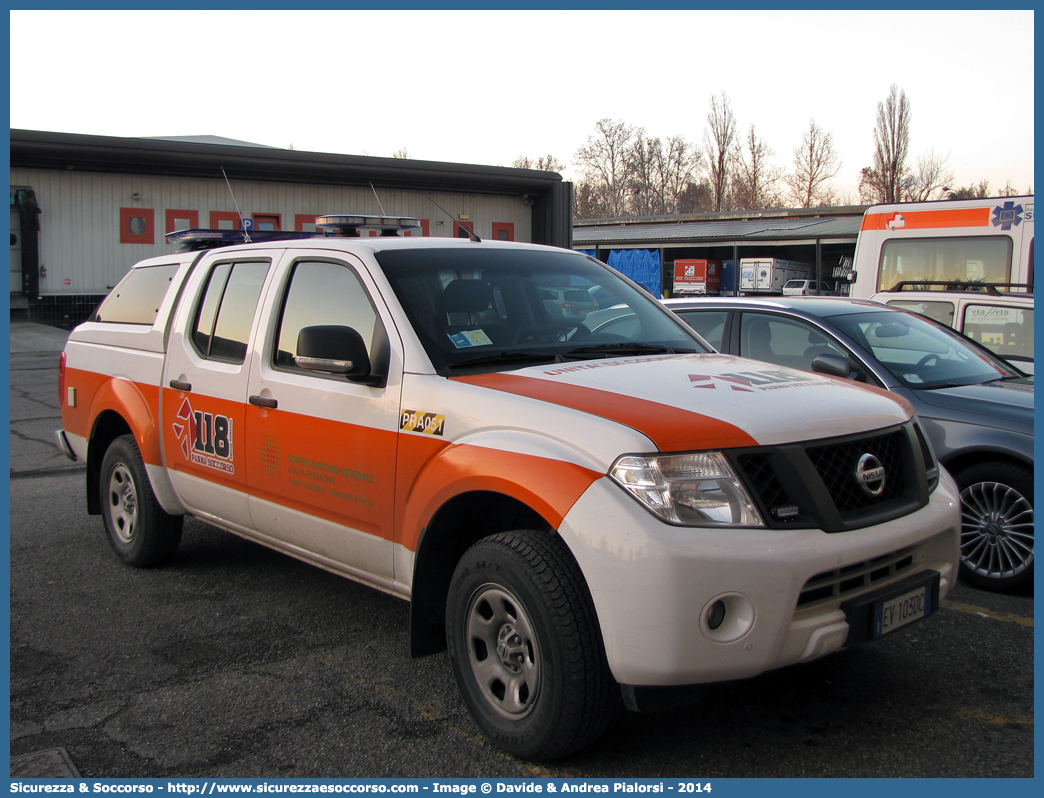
[976, 409]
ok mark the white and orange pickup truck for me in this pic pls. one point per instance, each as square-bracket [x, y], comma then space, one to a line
[583, 509]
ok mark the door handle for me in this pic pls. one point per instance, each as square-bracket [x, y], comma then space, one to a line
[177, 385]
[271, 404]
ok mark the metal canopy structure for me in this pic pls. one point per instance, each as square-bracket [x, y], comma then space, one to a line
[821, 237]
[839, 225]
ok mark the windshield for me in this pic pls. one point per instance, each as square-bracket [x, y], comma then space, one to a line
[488, 308]
[920, 353]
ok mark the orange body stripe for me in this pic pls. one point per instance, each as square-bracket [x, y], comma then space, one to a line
[137, 403]
[330, 469]
[672, 429]
[382, 482]
[924, 220]
[78, 420]
[431, 474]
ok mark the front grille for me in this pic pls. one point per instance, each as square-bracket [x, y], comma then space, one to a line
[762, 479]
[836, 465]
[855, 578]
[814, 484]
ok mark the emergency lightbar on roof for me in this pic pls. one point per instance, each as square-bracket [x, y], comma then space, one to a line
[196, 239]
[350, 224]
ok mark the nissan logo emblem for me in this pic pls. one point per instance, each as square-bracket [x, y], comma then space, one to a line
[870, 475]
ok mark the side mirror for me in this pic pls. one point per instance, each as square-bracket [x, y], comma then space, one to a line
[833, 365]
[336, 350]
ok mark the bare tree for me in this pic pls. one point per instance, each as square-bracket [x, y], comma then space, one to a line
[932, 174]
[695, 198]
[891, 147]
[401, 154]
[719, 141]
[1010, 191]
[682, 164]
[815, 163]
[980, 191]
[659, 172]
[545, 163]
[640, 162]
[756, 180]
[604, 161]
[590, 201]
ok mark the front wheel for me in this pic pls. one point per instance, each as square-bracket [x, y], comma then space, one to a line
[139, 530]
[996, 526]
[525, 645]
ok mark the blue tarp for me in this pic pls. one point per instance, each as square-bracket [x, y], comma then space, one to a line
[641, 265]
[590, 252]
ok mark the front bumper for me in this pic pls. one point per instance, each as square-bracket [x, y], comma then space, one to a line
[653, 584]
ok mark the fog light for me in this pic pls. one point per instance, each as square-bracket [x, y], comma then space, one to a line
[727, 617]
[716, 614]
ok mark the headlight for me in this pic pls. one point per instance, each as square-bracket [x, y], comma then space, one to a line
[688, 489]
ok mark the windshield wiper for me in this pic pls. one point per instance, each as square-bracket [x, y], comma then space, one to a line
[627, 348]
[938, 386]
[506, 357]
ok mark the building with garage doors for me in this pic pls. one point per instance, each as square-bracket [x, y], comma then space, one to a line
[646, 249]
[86, 208]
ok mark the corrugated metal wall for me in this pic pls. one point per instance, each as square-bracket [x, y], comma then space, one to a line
[80, 249]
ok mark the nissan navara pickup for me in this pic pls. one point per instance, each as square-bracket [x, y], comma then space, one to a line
[582, 513]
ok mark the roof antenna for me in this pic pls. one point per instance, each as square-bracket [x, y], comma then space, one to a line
[471, 233]
[378, 199]
[246, 233]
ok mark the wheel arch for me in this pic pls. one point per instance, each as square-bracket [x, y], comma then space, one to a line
[108, 426]
[457, 525]
[959, 461]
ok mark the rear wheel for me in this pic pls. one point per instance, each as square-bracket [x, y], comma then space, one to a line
[139, 530]
[525, 646]
[997, 526]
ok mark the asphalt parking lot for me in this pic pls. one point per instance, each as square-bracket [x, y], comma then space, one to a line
[235, 661]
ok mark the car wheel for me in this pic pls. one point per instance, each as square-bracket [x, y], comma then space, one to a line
[525, 646]
[140, 532]
[997, 526]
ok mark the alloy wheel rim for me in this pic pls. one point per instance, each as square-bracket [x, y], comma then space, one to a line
[996, 530]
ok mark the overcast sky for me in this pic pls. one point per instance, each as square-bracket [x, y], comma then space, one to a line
[487, 87]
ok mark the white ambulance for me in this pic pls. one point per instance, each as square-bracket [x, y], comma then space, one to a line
[580, 513]
[963, 241]
[967, 263]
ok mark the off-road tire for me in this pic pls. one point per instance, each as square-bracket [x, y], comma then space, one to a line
[518, 601]
[139, 530]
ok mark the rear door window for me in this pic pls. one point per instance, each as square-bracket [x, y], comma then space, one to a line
[708, 323]
[221, 329]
